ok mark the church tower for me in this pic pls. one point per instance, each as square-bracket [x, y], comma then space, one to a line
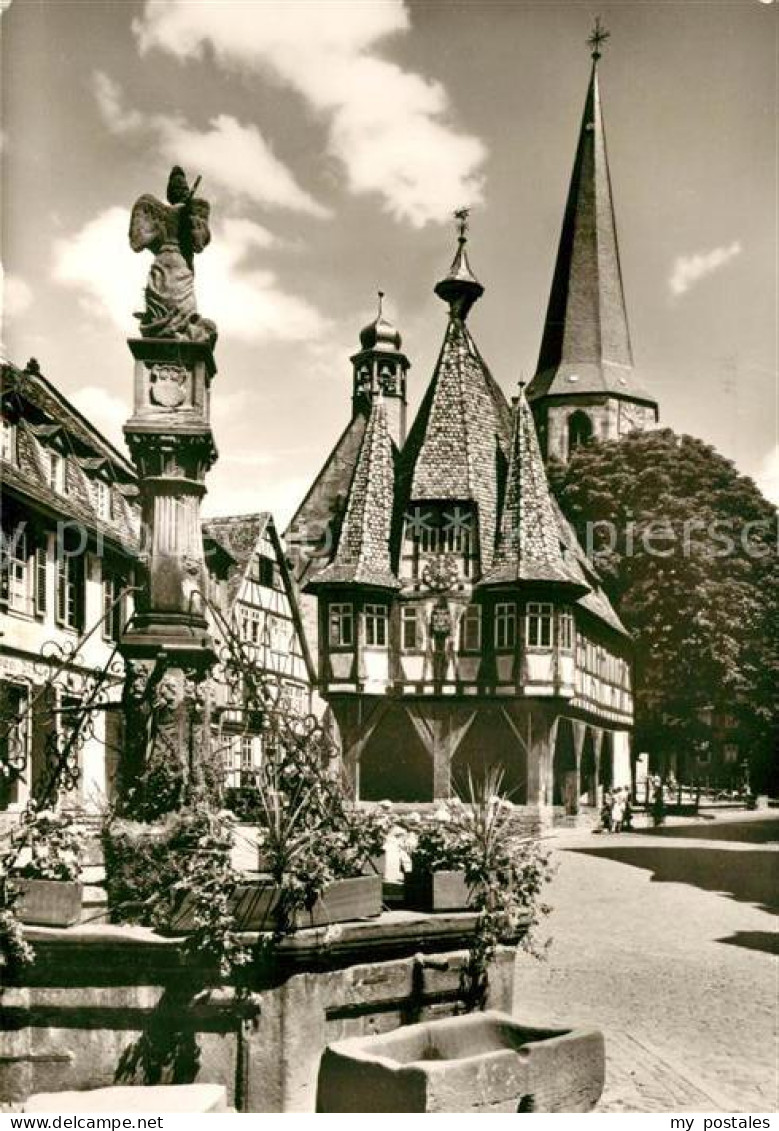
[380, 370]
[585, 386]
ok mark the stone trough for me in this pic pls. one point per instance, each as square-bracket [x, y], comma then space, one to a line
[481, 1062]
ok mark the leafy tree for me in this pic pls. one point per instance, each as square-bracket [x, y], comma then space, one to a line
[686, 548]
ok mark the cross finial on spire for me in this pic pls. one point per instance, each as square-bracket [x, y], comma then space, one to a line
[461, 216]
[598, 36]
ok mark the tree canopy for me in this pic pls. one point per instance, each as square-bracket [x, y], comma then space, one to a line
[686, 548]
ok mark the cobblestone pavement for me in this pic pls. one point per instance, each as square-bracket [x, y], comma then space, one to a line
[667, 942]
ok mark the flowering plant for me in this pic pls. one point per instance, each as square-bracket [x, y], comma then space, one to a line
[505, 871]
[50, 846]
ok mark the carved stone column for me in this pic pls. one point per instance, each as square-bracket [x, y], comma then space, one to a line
[168, 649]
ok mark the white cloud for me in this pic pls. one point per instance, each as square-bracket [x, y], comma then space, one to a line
[109, 100]
[690, 269]
[234, 156]
[767, 477]
[15, 295]
[246, 302]
[388, 127]
[107, 412]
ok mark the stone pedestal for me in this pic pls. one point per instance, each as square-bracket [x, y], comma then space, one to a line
[168, 649]
[118, 1005]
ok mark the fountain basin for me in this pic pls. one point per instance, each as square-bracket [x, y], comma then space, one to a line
[480, 1062]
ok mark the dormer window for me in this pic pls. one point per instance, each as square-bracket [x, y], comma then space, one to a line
[435, 530]
[101, 497]
[8, 441]
[54, 469]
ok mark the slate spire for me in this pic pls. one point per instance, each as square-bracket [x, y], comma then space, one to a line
[586, 345]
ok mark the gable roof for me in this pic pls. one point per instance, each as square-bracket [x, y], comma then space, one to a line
[239, 536]
[586, 346]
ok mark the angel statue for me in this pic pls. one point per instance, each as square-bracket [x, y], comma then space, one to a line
[174, 232]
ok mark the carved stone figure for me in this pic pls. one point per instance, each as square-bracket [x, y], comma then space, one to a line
[175, 232]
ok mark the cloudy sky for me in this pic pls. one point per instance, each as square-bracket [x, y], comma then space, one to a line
[334, 138]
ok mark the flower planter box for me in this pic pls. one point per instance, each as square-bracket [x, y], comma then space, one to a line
[256, 906]
[48, 903]
[482, 1062]
[436, 891]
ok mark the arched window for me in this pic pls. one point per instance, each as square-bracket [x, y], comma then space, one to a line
[579, 430]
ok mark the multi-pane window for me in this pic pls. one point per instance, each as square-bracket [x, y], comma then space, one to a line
[101, 497]
[341, 630]
[247, 759]
[432, 531]
[539, 624]
[505, 626]
[565, 628]
[251, 624]
[70, 590]
[8, 440]
[376, 626]
[411, 628]
[470, 629]
[54, 468]
[15, 568]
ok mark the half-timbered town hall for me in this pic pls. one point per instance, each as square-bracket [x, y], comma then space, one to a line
[459, 625]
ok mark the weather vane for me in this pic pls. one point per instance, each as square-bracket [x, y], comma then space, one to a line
[461, 216]
[599, 35]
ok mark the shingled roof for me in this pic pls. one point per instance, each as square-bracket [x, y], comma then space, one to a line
[362, 555]
[457, 447]
[529, 545]
[238, 536]
[586, 346]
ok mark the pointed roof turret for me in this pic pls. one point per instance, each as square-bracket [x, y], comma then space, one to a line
[586, 344]
[460, 288]
[455, 447]
[362, 556]
[380, 334]
[529, 544]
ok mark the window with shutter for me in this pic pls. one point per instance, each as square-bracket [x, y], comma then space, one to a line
[41, 577]
[70, 590]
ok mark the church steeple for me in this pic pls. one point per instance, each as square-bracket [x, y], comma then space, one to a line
[586, 349]
[380, 368]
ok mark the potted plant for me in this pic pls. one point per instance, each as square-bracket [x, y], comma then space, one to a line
[502, 871]
[438, 851]
[315, 847]
[46, 873]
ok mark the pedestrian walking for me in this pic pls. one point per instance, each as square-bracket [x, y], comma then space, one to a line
[617, 811]
[605, 812]
[658, 803]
